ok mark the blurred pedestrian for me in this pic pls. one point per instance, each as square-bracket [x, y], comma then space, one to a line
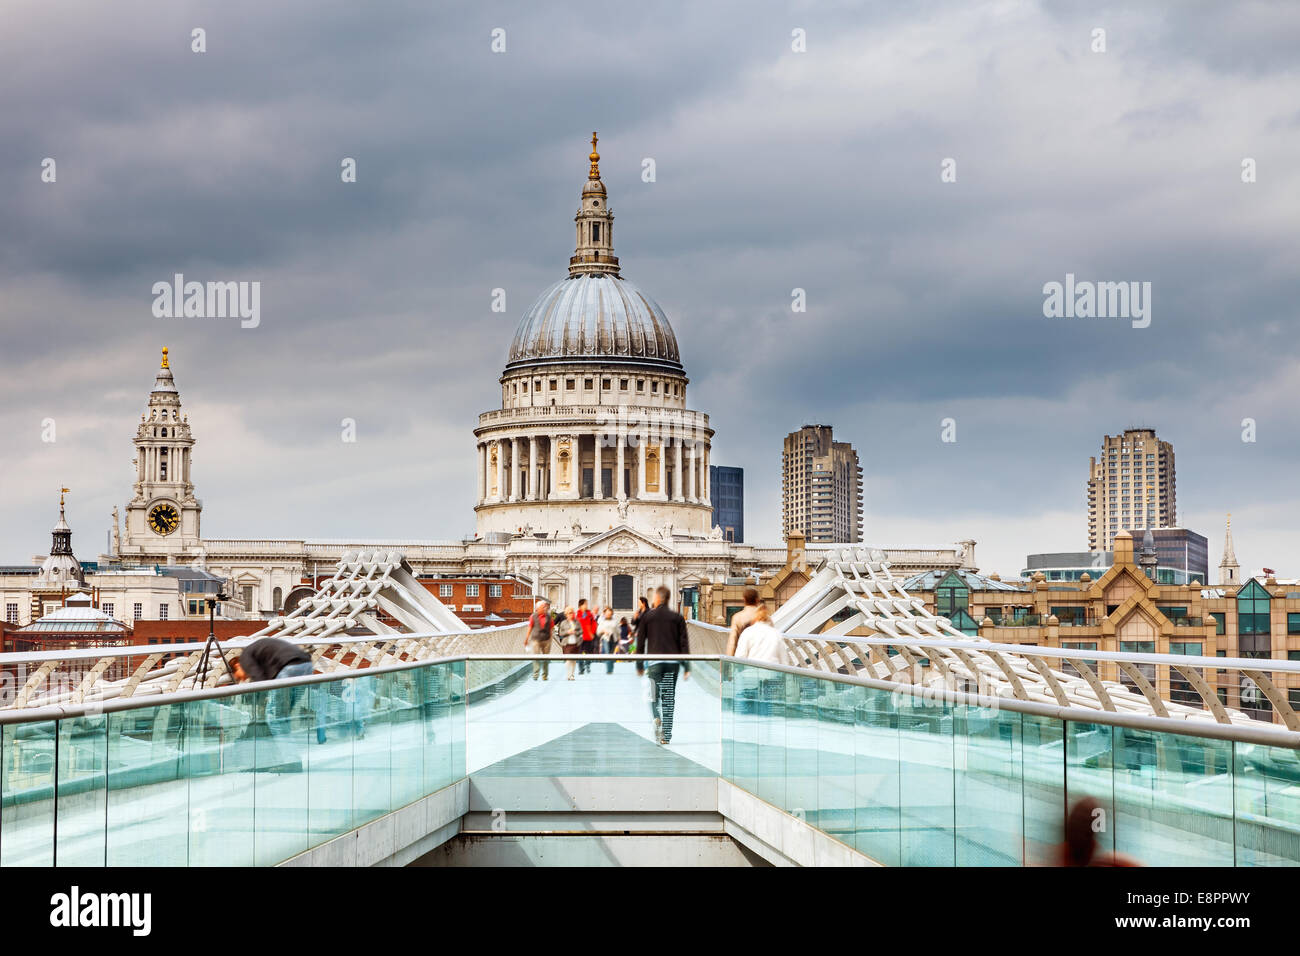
[1086, 819]
[642, 606]
[607, 631]
[537, 639]
[569, 633]
[359, 695]
[661, 630]
[760, 641]
[587, 621]
[743, 618]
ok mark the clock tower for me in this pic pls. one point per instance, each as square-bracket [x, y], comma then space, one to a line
[162, 517]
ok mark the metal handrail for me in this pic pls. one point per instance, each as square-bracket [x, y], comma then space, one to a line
[1264, 734]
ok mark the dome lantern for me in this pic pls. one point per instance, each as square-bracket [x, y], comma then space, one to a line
[594, 254]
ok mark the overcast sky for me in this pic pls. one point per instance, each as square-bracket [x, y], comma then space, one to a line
[775, 170]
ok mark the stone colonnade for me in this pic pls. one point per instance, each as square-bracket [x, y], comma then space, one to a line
[654, 466]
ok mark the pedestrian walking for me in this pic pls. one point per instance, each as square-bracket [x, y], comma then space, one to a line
[642, 606]
[607, 631]
[624, 636]
[1080, 847]
[569, 633]
[760, 641]
[537, 639]
[587, 621]
[661, 630]
[743, 618]
[359, 695]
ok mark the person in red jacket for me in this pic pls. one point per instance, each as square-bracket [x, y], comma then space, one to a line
[587, 621]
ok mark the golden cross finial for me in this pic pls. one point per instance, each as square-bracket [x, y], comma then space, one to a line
[164, 361]
[595, 159]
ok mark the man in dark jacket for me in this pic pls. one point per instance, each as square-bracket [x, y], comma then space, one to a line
[270, 658]
[661, 630]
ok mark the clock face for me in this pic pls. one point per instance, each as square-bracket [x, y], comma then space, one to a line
[163, 519]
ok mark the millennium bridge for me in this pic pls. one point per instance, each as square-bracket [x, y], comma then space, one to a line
[891, 739]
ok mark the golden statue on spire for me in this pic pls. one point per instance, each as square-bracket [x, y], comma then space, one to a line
[595, 159]
[164, 361]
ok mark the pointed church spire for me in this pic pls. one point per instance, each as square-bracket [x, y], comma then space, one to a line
[1149, 558]
[595, 250]
[1229, 570]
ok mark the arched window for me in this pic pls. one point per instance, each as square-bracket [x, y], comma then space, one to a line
[277, 599]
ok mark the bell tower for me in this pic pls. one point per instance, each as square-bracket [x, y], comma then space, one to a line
[162, 517]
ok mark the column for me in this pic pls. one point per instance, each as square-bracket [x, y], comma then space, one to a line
[597, 489]
[516, 471]
[482, 472]
[704, 475]
[534, 469]
[661, 447]
[677, 470]
[618, 478]
[553, 467]
[690, 473]
[640, 464]
[501, 470]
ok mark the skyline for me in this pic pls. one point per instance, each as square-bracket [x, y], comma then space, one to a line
[1008, 574]
[776, 170]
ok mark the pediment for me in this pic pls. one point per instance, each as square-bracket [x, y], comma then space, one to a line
[1136, 607]
[1120, 575]
[623, 541]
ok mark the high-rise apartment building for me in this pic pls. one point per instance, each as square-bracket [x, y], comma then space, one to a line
[727, 488]
[1131, 487]
[821, 487]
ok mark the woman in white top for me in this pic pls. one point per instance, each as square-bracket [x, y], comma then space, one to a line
[607, 631]
[760, 641]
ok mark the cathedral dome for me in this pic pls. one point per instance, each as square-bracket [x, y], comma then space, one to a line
[595, 317]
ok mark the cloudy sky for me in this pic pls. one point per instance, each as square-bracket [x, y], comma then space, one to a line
[775, 170]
